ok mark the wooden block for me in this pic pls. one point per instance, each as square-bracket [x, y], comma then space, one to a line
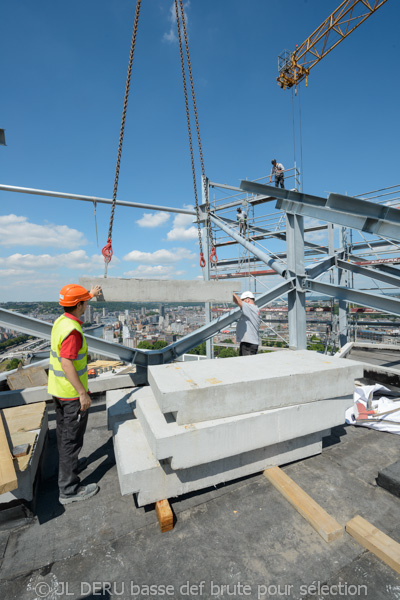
[374, 540]
[8, 477]
[164, 515]
[323, 523]
[21, 450]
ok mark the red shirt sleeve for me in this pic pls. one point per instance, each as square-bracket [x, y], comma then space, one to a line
[71, 345]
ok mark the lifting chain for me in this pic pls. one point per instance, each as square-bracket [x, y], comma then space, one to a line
[107, 250]
[213, 256]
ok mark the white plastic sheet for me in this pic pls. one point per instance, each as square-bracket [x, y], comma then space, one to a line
[389, 422]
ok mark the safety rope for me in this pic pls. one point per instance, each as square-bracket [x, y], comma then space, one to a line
[213, 255]
[107, 250]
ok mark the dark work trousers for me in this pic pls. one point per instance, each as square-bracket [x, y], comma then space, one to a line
[247, 349]
[70, 431]
[279, 179]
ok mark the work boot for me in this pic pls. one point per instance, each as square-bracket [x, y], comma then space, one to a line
[84, 492]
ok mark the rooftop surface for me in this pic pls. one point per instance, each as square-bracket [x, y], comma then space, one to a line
[239, 534]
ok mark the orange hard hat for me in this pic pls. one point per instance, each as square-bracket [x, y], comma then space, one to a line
[73, 293]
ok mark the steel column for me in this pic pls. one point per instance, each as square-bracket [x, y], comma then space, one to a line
[296, 297]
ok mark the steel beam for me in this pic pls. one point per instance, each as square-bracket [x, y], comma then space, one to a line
[12, 188]
[41, 329]
[342, 210]
[279, 267]
[322, 266]
[389, 305]
[381, 276]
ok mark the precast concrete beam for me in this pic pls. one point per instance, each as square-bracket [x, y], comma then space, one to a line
[120, 404]
[199, 443]
[209, 389]
[140, 473]
[116, 289]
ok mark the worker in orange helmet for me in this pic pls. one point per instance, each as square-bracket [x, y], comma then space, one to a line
[68, 384]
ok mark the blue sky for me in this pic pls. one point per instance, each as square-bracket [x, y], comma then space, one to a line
[63, 71]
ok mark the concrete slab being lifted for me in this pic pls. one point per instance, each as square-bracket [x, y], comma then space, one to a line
[215, 389]
[140, 473]
[116, 289]
[200, 443]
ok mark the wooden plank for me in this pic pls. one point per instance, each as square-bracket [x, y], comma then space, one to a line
[164, 515]
[374, 540]
[323, 523]
[27, 378]
[8, 477]
[25, 418]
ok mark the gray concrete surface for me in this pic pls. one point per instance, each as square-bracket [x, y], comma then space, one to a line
[243, 532]
[198, 443]
[116, 289]
[213, 389]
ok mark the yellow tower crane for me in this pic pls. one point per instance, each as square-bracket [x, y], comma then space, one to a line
[295, 66]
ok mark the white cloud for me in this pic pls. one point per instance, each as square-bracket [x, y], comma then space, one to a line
[182, 228]
[159, 256]
[315, 236]
[154, 272]
[77, 259]
[18, 231]
[171, 36]
[153, 219]
[15, 272]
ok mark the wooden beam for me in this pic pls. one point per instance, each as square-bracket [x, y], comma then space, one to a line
[8, 477]
[374, 540]
[317, 517]
[165, 515]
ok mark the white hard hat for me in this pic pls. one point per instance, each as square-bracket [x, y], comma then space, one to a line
[247, 295]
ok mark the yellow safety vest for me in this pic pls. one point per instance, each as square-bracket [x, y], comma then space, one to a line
[58, 384]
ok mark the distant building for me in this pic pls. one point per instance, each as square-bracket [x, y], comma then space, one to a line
[88, 314]
[108, 335]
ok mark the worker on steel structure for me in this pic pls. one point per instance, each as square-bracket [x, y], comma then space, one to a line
[277, 170]
[68, 384]
[242, 220]
[248, 324]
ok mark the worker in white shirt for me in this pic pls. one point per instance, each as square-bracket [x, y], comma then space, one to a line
[277, 170]
[242, 220]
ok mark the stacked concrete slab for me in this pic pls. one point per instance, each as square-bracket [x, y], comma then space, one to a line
[204, 423]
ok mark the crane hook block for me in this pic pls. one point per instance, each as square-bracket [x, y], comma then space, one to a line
[213, 256]
[202, 261]
[107, 251]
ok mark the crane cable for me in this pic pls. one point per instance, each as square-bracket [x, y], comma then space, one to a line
[213, 256]
[294, 138]
[107, 250]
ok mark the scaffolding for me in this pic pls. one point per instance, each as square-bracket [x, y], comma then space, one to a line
[266, 228]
